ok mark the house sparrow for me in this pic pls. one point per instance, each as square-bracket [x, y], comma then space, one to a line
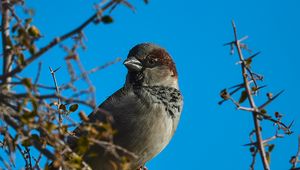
[145, 111]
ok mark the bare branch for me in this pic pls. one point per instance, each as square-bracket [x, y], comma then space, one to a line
[251, 101]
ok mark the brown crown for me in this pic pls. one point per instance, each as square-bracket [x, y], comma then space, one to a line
[164, 58]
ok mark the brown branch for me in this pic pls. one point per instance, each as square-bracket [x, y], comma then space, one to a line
[251, 101]
[49, 96]
[6, 42]
[56, 41]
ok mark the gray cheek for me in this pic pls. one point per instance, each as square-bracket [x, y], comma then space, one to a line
[155, 76]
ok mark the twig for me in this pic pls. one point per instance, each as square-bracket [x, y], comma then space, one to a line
[251, 101]
[49, 96]
[34, 85]
[24, 156]
[38, 74]
[29, 157]
[253, 160]
[265, 141]
[37, 161]
[6, 164]
[58, 93]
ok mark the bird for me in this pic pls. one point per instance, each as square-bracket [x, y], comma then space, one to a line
[145, 112]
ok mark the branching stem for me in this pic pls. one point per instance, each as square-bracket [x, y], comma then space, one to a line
[251, 101]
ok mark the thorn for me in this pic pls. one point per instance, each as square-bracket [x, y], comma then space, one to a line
[270, 100]
[57, 69]
[239, 62]
[249, 144]
[254, 55]
[244, 38]
[291, 124]
[238, 85]
[51, 71]
[261, 87]
[229, 43]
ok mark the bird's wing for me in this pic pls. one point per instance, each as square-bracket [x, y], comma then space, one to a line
[123, 103]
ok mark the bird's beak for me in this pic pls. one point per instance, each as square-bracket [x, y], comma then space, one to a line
[133, 64]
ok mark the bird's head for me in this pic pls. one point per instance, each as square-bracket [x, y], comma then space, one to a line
[150, 65]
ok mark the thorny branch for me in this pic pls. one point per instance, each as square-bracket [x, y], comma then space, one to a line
[251, 101]
[251, 88]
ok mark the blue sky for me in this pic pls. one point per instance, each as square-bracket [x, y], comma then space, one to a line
[209, 136]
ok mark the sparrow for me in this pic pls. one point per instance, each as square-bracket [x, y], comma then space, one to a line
[145, 111]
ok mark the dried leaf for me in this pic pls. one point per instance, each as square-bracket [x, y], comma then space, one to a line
[293, 159]
[82, 144]
[248, 62]
[83, 116]
[32, 49]
[62, 107]
[224, 94]
[254, 88]
[27, 82]
[28, 21]
[243, 96]
[21, 59]
[263, 111]
[50, 126]
[26, 142]
[107, 19]
[278, 115]
[268, 156]
[34, 32]
[271, 147]
[73, 107]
